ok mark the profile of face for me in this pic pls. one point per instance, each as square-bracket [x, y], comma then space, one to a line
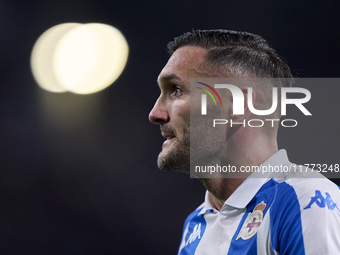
[172, 108]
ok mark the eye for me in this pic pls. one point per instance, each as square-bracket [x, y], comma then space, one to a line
[177, 91]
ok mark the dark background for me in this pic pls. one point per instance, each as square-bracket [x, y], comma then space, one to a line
[79, 174]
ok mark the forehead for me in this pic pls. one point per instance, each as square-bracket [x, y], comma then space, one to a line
[186, 63]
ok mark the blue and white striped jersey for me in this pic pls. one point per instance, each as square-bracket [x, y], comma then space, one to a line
[275, 215]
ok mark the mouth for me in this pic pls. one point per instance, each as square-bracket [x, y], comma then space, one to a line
[169, 138]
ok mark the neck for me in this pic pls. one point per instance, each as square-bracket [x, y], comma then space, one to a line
[222, 188]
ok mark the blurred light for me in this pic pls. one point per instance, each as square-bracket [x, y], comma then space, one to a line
[79, 58]
[42, 57]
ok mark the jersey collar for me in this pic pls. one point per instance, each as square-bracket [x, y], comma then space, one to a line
[248, 189]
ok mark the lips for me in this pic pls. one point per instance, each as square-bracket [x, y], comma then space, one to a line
[168, 136]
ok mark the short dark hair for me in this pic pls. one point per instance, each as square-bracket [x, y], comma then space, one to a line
[236, 52]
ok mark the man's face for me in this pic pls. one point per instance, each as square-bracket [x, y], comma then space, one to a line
[172, 109]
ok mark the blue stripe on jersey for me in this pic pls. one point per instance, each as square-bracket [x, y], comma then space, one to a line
[267, 194]
[285, 219]
[194, 226]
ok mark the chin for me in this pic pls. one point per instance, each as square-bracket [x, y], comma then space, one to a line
[174, 161]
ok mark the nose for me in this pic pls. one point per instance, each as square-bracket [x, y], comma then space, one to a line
[159, 113]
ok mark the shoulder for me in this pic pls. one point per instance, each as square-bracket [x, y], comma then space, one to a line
[195, 213]
[308, 210]
[310, 192]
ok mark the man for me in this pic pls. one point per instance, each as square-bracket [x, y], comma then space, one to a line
[241, 214]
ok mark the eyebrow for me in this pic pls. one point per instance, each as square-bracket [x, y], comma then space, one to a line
[169, 77]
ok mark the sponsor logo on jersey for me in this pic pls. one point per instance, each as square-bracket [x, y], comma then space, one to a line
[252, 222]
[322, 202]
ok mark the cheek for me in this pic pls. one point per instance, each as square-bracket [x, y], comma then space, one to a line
[180, 113]
[180, 108]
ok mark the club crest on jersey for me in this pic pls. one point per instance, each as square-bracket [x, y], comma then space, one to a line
[252, 222]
